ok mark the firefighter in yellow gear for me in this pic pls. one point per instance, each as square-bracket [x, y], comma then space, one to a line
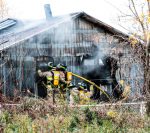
[52, 77]
[52, 80]
[80, 94]
[84, 94]
[65, 80]
[65, 76]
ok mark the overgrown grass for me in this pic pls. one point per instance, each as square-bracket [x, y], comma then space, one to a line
[39, 116]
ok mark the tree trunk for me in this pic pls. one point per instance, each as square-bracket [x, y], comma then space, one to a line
[147, 78]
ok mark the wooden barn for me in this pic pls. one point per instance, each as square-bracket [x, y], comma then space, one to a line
[64, 39]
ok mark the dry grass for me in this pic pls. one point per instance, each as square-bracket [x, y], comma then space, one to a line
[40, 116]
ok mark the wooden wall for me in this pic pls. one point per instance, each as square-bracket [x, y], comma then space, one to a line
[66, 43]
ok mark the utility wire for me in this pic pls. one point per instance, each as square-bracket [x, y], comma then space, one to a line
[115, 7]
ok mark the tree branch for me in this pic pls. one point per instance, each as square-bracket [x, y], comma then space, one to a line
[134, 11]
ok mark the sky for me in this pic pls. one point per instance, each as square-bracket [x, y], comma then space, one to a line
[104, 10]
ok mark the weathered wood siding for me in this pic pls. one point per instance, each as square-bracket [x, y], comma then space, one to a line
[66, 43]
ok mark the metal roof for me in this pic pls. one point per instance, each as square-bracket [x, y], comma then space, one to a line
[31, 29]
[7, 23]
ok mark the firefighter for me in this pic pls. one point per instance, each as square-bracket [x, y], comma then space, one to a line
[81, 94]
[52, 80]
[62, 70]
[84, 94]
[52, 77]
[65, 80]
[48, 75]
[51, 66]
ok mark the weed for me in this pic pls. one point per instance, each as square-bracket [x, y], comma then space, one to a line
[74, 123]
[36, 116]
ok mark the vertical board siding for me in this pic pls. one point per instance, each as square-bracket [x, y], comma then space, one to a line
[66, 43]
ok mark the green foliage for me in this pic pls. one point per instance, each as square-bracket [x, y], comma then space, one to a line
[20, 124]
[64, 119]
[74, 123]
[76, 99]
[5, 117]
[91, 116]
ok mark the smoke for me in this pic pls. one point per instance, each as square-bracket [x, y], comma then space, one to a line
[66, 42]
[100, 51]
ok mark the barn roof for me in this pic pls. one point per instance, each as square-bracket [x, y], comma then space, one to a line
[14, 31]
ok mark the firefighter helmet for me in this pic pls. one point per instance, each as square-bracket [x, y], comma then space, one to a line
[61, 67]
[50, 65]
[82, 86]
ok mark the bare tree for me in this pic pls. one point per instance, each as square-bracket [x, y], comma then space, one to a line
[139, 15]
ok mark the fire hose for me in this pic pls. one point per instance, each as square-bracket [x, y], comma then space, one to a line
[92, 83]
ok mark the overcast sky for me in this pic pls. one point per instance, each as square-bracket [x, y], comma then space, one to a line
[104, 10]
